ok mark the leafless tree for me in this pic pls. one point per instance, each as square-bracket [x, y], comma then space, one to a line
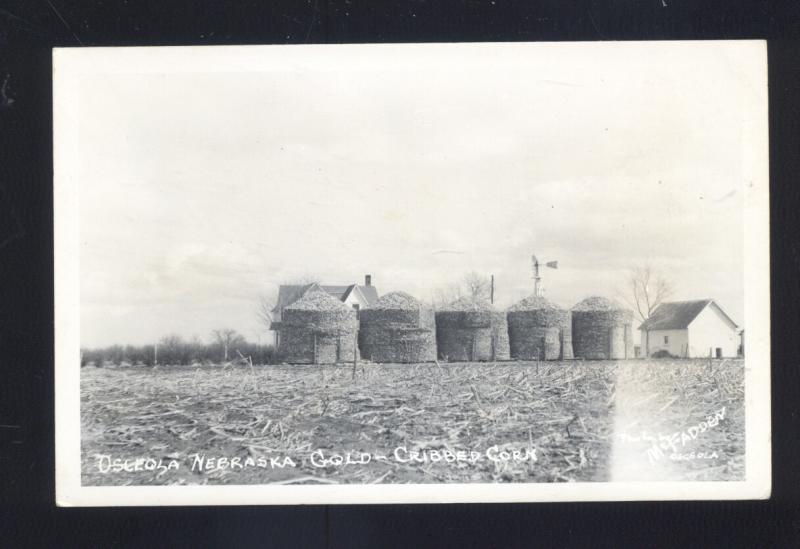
[171, 349]
[649, 289]
[444, 295]
[473, 285]
[476, 286]
[227, 339]
[304, 280]
[646, 290]
[266, 302]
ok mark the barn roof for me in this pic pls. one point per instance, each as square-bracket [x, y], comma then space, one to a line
[677, 315]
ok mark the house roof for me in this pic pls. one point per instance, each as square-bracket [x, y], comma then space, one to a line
[339, 292]
[317, 299]
[677, 315]
[289, 293]
[370, 293]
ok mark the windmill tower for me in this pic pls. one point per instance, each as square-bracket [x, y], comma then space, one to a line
[537, 279]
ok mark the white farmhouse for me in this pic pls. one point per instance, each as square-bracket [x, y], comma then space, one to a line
[690, 329]
[355, 295]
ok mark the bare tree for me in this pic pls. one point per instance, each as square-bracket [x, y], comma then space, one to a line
[473, 285]
[227, 339]
[171, 349]
[476, 285]
[304, 280]
[266, 302]
[445, 295]
[646, 290]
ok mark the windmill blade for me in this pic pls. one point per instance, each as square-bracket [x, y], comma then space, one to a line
[552, 264]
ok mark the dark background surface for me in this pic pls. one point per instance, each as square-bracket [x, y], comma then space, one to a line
[30, 28]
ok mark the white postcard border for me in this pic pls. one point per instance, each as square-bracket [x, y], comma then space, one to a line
[749, 57]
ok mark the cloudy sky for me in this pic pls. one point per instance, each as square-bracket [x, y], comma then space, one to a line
[203, 187]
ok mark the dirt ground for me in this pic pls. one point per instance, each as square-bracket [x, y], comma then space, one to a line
[420, 423]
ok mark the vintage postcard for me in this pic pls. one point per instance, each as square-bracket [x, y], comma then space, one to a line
[412, 273]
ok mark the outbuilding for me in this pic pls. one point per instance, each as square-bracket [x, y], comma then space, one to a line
[698, 328]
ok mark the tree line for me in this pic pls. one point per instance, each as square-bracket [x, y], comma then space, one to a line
[224, 346]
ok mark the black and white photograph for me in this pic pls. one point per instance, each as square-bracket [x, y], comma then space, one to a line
[412, 273]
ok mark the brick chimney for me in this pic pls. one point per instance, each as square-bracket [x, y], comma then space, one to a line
[367, 280]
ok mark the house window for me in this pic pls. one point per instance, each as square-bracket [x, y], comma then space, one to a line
[356, 306]
[666, 340]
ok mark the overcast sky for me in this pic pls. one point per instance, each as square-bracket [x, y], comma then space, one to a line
[200, 190]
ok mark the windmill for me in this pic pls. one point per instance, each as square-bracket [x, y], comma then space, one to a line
[537, 279]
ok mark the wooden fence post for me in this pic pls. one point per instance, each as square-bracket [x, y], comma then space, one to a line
[474, 345]
[355, 353]
[625, 339]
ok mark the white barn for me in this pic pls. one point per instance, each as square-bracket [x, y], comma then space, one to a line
[690, 329]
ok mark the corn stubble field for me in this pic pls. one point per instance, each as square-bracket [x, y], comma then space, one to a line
[587, 421]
